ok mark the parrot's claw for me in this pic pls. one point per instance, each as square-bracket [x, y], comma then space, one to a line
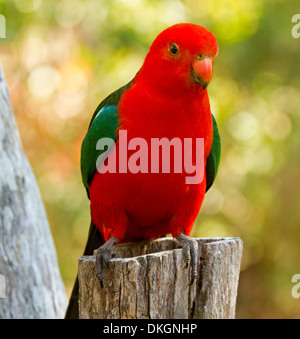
[190, 250]
[103, 256]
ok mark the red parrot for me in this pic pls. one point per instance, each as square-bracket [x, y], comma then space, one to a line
[166, 99]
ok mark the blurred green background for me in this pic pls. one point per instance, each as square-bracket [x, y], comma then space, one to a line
[61, 58]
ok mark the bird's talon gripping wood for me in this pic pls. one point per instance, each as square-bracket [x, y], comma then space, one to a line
[190, 250]
[103, 256]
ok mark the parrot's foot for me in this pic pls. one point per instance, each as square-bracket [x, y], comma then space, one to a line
[190, 250]
[104, 254]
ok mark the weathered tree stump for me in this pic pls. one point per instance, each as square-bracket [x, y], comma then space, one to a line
[149, 280]
[30, 281]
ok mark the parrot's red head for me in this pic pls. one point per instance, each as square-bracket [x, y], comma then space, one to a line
[181, 57]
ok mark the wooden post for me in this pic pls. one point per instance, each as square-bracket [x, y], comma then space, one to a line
[149, 280]
[31, 285]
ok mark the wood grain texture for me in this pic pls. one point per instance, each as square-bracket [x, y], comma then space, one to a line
[28, 263]
[149, 280]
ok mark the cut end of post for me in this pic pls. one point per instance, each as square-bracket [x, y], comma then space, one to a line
[149, 280]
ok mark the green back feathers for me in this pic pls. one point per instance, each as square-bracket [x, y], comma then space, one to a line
[112, 99]
[104, 124]
[213, 160]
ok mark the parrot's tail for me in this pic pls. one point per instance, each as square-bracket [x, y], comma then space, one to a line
[95, 240]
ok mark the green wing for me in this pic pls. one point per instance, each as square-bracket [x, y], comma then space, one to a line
[104, 124]
[213, 160]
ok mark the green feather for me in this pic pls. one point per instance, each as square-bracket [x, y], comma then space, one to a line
[104, 124]
[213, 160]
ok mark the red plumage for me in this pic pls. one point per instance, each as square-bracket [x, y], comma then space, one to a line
[165, 100]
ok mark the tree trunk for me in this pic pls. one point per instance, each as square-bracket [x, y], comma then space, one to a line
[31, 285]
[149, 280]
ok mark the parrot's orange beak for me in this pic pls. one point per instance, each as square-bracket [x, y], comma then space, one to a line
[202, 70]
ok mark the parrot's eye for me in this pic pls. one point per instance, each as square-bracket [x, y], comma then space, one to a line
[201, 56]
[173, 49]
